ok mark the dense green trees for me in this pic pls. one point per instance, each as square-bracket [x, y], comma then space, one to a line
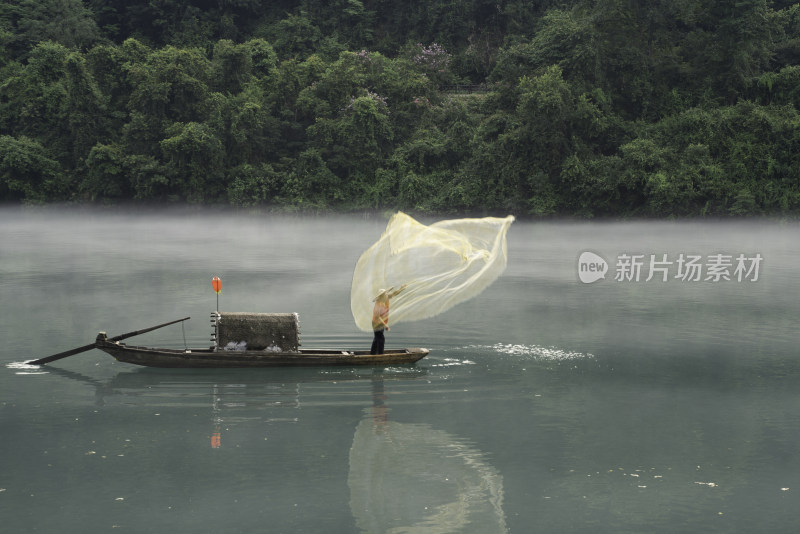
[589, 108]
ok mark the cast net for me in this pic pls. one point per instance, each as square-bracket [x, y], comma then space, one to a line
[441, 265]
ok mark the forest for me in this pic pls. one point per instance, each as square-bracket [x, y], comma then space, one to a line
[540, 108]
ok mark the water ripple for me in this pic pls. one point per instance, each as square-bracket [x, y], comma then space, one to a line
[23, 368]
[450, 362]
[538, 352]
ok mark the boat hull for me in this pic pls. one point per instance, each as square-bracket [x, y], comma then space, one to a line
[210, 358]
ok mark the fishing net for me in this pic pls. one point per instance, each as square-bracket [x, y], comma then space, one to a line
[440, 265]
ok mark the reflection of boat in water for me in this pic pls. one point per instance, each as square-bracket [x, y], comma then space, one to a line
[192, 386]
[402, 477]
[236, 398]
[409, 477]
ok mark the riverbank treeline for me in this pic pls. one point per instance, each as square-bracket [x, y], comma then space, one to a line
[582, 107]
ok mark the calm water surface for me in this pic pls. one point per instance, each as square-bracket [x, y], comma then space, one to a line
[546, 404]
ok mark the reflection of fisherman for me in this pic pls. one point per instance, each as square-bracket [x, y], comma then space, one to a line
[380, 414]
[380, 317]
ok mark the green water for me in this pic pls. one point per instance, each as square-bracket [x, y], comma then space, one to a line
[546, 404]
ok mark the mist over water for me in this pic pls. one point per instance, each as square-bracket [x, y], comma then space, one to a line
[546, 404]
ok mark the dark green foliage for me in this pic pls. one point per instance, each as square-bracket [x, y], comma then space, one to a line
[252, 185]
[27, 172]
[587, 108]
[67, 22]
[106, 176]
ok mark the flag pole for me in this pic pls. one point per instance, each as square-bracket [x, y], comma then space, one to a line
[216, 284]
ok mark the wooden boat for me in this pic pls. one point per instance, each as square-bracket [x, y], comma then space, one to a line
[215, 357]
[240, 340]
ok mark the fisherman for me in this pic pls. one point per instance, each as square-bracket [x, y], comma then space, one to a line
[380, 317]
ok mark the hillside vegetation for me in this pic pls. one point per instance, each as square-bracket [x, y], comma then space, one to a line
[584, 108]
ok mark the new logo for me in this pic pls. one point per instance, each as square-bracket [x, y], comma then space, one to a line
[591, 267]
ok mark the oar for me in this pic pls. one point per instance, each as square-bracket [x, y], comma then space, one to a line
[54, 357]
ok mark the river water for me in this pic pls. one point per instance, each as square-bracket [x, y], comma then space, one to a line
[547, 404]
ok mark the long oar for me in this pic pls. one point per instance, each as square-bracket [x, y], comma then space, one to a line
[54, 357]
